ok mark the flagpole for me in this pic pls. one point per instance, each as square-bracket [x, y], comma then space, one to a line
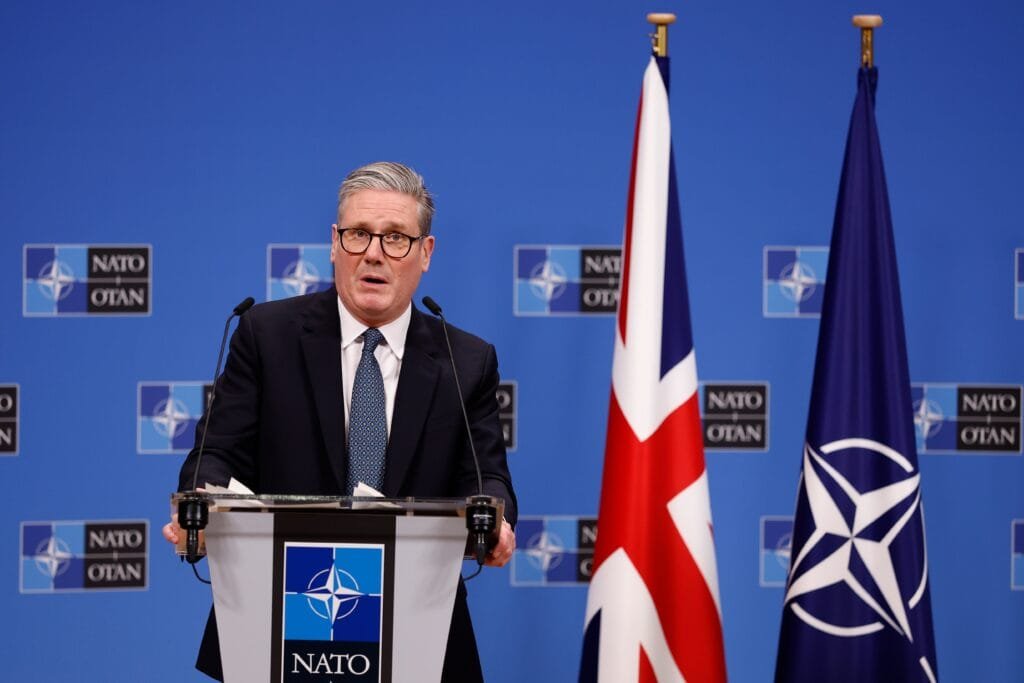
[653, 608]
[867, 23]
[659, 39]
[859, 425]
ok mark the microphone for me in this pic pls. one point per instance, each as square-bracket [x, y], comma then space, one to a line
[481, 513]
[193, 511]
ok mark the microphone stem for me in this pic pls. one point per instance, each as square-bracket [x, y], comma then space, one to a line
[193, 510]
[209, 402]
[481, 513]
[465, 415]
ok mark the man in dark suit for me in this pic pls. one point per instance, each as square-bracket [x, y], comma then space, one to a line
[290, 418]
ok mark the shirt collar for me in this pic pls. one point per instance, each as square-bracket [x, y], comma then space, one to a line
[394, 332]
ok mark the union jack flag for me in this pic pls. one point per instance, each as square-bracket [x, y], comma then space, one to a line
[653, 612]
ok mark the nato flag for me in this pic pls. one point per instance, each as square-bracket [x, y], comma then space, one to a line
[857, 605]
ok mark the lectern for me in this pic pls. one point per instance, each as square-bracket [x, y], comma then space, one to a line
[313, 588]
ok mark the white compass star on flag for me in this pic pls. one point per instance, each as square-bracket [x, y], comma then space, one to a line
[829, 520]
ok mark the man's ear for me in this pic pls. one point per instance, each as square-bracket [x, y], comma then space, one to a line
[427, 248]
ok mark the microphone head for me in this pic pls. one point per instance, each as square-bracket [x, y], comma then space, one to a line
[244, 306]
[432, 306]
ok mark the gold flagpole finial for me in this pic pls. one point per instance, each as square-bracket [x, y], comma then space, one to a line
[659, 39]
[867, 23]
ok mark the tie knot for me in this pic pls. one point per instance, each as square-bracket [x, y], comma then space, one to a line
[371, 338]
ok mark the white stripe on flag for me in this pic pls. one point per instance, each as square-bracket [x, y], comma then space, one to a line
[646, 398]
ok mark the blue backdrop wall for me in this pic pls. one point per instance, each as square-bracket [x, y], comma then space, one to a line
[211, 138]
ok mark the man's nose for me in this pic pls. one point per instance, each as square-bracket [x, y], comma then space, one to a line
[374, 252]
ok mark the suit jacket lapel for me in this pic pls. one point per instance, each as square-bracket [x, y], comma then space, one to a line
[416, 383]
[321, 345]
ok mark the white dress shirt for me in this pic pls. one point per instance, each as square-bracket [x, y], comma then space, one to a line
[388, 354]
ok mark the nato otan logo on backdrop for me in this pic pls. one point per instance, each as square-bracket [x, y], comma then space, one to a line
[333, 611]
[58, 557]
[554, 280]
[967, 418]
[776, 545]
[8, 419]
[1017, 555]
[296, 269]
[734, 416]
[82, 279]
[794, 281]
[167, 415]
[508, 392]
[1018, 284]
[554, 550]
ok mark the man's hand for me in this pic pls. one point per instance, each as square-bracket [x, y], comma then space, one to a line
[502, 552]
[172, 532]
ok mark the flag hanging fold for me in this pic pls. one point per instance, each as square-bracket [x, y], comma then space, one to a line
[652, 609]
[857, 605]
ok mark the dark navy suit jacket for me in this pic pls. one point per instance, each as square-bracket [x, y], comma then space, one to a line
[278, 426]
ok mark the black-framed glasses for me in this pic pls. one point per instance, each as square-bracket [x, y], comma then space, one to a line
[394, 244]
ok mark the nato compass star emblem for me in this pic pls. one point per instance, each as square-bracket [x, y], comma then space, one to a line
[170, 417]
[545, 550]
[333, 594]
[857, 529]
[927, 417]
[55, 280]
[53, 557]
[797, 281]
[547, 280]
[300, 277]
[783, 551]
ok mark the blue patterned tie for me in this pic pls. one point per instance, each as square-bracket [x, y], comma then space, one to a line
[367, 424]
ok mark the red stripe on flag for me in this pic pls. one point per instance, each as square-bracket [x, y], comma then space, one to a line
[646, 673]
[640, 478]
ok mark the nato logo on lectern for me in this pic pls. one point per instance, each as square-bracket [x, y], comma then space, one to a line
[80, 279]
[167, 415]
[60, 557]
[794, 281]
[967, 418]
[8, 419]
[333, 611]
[555, 550]
[296, 269]
[558, 280]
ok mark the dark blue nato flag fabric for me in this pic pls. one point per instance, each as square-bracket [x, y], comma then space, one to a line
[857, 605]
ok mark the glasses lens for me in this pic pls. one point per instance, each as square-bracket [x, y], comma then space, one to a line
[355, 241]
[396, 244]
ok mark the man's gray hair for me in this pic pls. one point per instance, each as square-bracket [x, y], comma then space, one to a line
[390, 176]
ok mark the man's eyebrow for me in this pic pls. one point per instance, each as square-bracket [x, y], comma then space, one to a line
[389, 226]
